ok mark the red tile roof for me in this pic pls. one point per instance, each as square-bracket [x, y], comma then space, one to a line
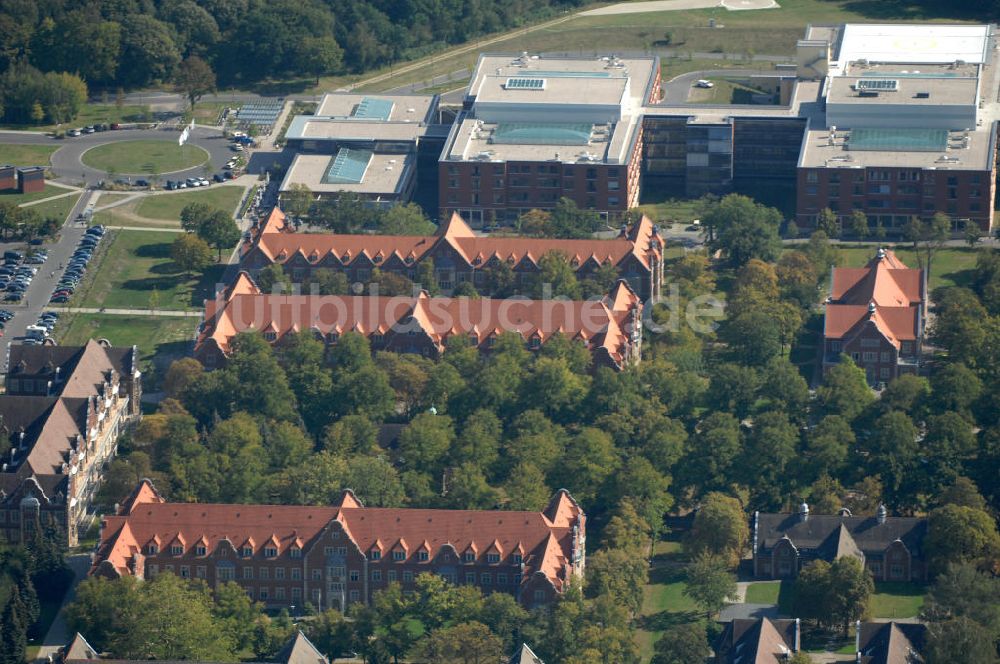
[278, 243]
[603, 325]
[884, 293]
[545, 538]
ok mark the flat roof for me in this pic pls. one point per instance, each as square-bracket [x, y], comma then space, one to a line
[817, 152]
[916, 43]
[316, 128]
[909, 90]
[381, 174]
[401, 107]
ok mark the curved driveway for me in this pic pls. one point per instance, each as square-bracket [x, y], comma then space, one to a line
[67, 166]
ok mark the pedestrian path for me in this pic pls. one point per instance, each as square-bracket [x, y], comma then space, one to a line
[166, 313]
[75, 192]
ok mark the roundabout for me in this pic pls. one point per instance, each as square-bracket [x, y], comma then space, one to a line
[144, 157]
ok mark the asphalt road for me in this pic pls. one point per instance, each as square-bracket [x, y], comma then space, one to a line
[37, 296]
[676, 90]
[68, 167]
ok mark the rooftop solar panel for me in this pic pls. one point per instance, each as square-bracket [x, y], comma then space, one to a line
[373, 108]
[348, 166]
[881, 84]
[525, 84]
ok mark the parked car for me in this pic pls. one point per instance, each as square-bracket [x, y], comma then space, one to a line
[218, 177]
[73, 132]
[171, 185]
[703, 83]
[142, 183]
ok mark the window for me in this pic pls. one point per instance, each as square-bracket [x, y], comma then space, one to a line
[317, 575]
[391, 575]
[907, 348]
[296, 594]
[339, 572]
[399, 555]
[295, 552]
[896, 571]
[407, 576]
[501, 579]
[315, 596]
[835, 346]
[517, 559]
[355, 596]
[296, 574]
[279, 573]
[422, 556]
[270, 552]
[539, 595]
[470, 577]
[468, 557]
[200, 572]
[264, 573]
[812, 176]
[884, 357]
[264, 594]
[151, 550]
[200, 550]
[486, 578]
[327, 550]
[868, 356]
[376, 575]
[279, 593]
[152, 571]
[246, 552]
[884, 372]
[355, 575]
[248, 572]
[185, 572]
[335, 534]
[493, 557]
[225, 573]
[376, 554]
[176, 550]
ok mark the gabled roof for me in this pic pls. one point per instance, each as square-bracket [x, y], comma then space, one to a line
[276, 242]
[891, 642]
[548, 545]
[79, 649]
[300, 650]
[757, 641]
[524, 655]
[824, 532]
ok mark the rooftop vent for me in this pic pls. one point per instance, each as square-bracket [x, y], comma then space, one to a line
[922, 95]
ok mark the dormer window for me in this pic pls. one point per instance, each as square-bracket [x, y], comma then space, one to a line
[468, 557]
[152, 549]
[422, 556]
[535, 342]
[517, 558]
[376, 554]
[270, 552]
[295, 552]
[176, 550]
[200, 550]
[473, 340]
[333, 338]
[492, 558]
[271, 336]
[377, 338]
[399, 556]
[247, 552]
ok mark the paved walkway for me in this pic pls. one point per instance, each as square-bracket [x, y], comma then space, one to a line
[58, 634]
[165, 313]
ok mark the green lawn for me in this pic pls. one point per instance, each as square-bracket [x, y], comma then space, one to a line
[133, 265]
[725, 91]
[897, 600]
[26, 155]
[169, 206]
[109, 199]
[94, 114]
[951, 266]
[20, 199]
[663, 604]
[58, 208]
[144, 156]
[160, 339]
[764, 592]
[673, 210]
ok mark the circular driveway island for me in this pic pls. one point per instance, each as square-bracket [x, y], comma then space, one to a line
[144, 157]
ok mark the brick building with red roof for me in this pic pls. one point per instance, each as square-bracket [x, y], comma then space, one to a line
[458, 254]
[876, 316]
[611, 328]
[336, 555]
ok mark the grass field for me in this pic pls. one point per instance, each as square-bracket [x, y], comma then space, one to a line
[133, 265]
[160, 339]
[26, 155]
[144, 156]
[674, 210]
[951, 266]
[169, 206]
[58, 208]
[726, 91]
[109, 199]
[21, 199]
[897, 600]
[93, 114]
[772, 32]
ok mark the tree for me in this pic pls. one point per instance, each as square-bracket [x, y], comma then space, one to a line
[555, 278]
[619, 574]
[525, 488]
[406, 219]
[958, 534]
[859, 224]
[180, 375]
[148, 51]
[928, 236]
[425, 441]
[682, 644]
[743, 229]
[465, 643]
[709, 582]
[845, 390]
[960, 635]
[219, 230]
[755, 337]
[297, 200]
[318, 56]
[962, 591]
[719, 528]
[191, 254]
[834, 594]
[195, 78]
[828, 222]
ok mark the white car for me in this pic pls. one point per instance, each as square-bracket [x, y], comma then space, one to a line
[202, 182]
[702, 83]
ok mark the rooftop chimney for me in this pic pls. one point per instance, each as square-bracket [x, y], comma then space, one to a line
[881, 514]
[803, 511]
